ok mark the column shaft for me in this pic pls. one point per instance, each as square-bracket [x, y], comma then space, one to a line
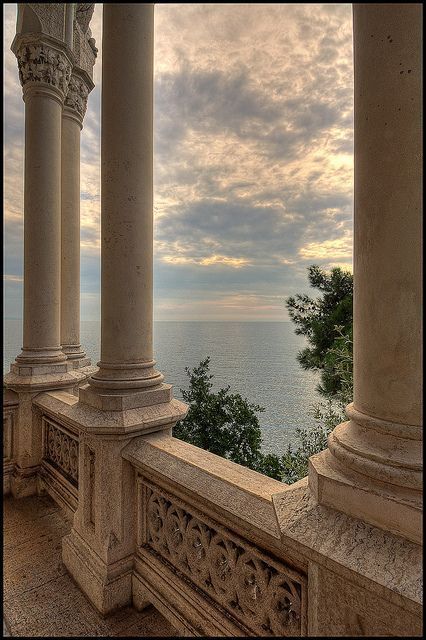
[127, 198]
[42, 229]
[388, 196]
[70, 263]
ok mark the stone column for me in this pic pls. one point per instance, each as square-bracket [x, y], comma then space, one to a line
[127, 397]
[127, 363]
[44, 70]
[72, 123]
[373, 467]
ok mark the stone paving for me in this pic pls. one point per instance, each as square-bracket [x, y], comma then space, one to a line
[40, 598]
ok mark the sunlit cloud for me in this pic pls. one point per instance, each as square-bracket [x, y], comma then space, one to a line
[253, 157]
[235, 263]
[329, 249]
[12, 278]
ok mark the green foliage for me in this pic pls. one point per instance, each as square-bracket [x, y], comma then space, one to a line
[327, 323]
[294, 463]
[224, 423]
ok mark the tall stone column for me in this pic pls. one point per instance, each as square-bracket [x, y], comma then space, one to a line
[373, 466]
[72, 123]
[127, 206]
[126, 398]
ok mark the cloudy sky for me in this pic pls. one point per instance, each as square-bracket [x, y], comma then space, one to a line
[253, 159]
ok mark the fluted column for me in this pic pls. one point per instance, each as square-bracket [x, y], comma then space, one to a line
[72, 123]
[379, 450]
[127, 205]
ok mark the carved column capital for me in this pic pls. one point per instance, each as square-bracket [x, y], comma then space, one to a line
[75, 104]
[43, 67]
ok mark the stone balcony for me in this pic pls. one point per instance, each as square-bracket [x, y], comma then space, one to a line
[149, 520]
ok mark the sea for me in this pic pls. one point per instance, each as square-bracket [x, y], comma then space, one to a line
[256, 359]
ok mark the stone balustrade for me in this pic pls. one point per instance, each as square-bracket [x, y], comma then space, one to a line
[208, 552]
[221, 550]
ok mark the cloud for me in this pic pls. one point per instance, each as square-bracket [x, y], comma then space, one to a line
[253, 166]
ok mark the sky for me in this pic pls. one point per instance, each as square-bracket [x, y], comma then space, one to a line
[253, 159]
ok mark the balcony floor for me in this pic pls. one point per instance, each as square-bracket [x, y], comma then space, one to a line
[40, 598]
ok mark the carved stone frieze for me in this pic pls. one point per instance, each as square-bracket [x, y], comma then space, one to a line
[41, 63]
[61, 450]
[76, 98]
[258, 591]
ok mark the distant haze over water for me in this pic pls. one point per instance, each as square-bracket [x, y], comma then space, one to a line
[257, 359]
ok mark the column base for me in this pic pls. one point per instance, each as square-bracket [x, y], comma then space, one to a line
[362, 581]
[389, 507]
[35, 376]
[76, 356]
[108, 587]
[81, 363]
[123, 400]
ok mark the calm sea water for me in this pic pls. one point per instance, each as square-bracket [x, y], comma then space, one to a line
[257, 359]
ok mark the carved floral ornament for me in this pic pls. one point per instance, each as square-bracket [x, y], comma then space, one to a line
[61, 450]
[41, 63]
[263, 594]
[76, 98]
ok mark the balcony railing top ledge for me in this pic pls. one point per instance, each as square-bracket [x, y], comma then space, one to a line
[221, 488]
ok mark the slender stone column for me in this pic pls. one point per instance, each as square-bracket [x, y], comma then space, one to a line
[44, 70]
[72, 123]
[42, 228]
[379, 450]
[127, 208]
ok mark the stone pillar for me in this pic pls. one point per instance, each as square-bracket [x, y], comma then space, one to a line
[72, 123]
[373, 466]
[127, 208]
[127, 397]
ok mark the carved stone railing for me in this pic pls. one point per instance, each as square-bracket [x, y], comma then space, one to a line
[58, 474]
[10, 414]
[208, 553]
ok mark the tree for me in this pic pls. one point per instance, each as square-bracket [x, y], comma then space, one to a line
[327, 324]
[224, 423]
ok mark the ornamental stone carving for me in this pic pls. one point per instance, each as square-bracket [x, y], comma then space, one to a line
[40, 63]
[76, 98]
[61, 450]
[257, 590]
